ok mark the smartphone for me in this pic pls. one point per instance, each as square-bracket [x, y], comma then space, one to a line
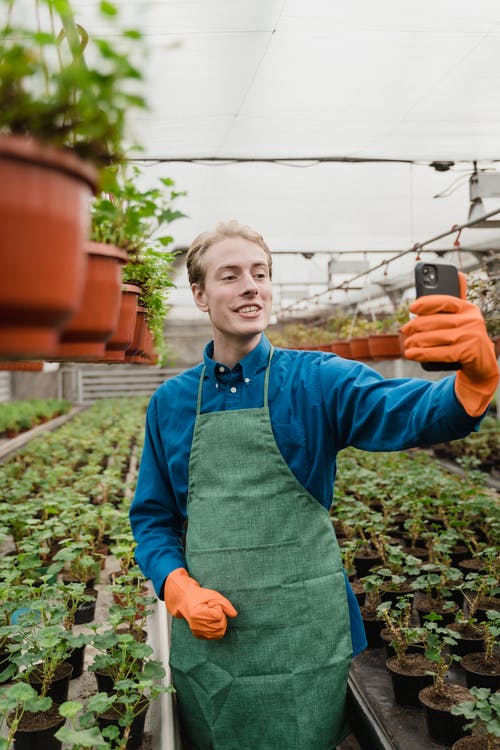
[437, 278]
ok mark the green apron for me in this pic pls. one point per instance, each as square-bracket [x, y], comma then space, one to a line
[278, 678]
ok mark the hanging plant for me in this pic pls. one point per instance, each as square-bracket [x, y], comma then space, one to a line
[132, 218]
[64, 88]
[64, 99]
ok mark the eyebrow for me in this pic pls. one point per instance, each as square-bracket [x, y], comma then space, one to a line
[235, 266]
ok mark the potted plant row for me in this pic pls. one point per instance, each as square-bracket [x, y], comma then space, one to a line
[409, 533]
[58, 537]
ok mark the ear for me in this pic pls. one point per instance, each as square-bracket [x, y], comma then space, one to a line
[200, 298]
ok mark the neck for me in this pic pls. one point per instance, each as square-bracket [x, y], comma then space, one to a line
[228, 352]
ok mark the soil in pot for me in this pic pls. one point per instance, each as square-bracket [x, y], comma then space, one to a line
[426, 606]
[393, 596]
[475, 743]
[414, 648]
[36, 731]
[469, 639]
[59, 686]
[479, 673]
[442, 725]
[410, 678]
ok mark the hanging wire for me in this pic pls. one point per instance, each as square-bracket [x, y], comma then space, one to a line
[383, 264]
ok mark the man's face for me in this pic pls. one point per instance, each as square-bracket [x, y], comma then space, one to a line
[237, 293]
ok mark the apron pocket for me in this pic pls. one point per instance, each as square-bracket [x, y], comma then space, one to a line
[259, 581]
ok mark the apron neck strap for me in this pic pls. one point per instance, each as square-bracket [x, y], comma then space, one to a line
[266, 383]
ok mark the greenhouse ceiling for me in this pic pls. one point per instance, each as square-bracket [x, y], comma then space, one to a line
[331, 127]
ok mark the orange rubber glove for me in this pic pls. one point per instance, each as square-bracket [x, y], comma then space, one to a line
[459, 335]
[206, 611]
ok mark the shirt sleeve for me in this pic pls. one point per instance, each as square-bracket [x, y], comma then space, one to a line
[372, 413]
[156, 520]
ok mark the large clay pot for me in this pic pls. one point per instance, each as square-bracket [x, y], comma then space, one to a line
[84, 337]
[124, 332]
[44, 218]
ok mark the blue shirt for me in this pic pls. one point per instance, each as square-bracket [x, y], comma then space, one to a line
[319, 404]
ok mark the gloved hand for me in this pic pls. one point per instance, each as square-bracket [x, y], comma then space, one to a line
[458, 335]
[205, 610]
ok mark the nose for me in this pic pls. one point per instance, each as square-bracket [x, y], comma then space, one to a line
[249, 287]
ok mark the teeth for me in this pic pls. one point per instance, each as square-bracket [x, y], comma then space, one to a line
[250, 308]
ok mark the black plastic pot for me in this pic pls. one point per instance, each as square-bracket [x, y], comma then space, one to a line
[482, 677]
[76, 660]
[105, 683]
[112, 717]
[465, 644]
[59, 687]
[406, 687]
[41, 738]
[373, 626]
[442, 725]
[86, 611]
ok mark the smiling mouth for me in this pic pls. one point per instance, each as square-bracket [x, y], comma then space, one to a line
[248, 309]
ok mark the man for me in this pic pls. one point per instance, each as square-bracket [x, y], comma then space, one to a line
[243, 447]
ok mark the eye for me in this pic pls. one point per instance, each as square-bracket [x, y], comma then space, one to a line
[260, 275]
[228, 277]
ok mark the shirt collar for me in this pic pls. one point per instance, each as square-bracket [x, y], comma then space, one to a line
[247, 368]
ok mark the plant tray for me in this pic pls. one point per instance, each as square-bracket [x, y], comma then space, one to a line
[379, 723]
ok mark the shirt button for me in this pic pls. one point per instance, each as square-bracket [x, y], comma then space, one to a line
[247, 380]
[233, 389]
[222, 369]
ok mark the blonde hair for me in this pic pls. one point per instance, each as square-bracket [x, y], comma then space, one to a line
[199, 246]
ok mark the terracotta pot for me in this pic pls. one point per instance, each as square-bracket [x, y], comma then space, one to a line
[44, 194]
[384, 345]
[342, 348]
[139, 333]
[22, 366]
[359, 348]
[146, 355]
[84, 337]
[124, 332]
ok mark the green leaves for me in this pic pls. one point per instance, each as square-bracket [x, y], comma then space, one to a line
[483, 712]
[65, 88]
